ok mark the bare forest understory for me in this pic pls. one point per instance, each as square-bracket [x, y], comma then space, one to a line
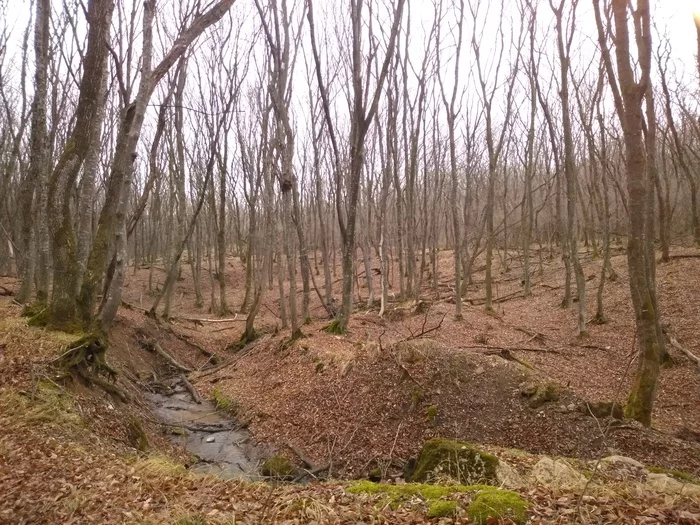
[518, 383]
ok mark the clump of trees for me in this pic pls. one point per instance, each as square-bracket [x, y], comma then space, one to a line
[290, 133]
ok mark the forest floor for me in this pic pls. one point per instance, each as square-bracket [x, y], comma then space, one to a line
[355, 404]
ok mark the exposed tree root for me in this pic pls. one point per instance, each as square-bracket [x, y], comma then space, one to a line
[334, 327]
[85, 358]
[108, 387]
[598, 319]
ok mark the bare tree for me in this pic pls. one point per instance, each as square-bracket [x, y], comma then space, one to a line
[364, 106]
[628, 95]
[451, 110]
[38, 162]
[494, 140]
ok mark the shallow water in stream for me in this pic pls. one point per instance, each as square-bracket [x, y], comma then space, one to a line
[223, 449]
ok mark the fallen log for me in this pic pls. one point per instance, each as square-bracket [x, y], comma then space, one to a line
[305, 460]
[165, 355]
[685, 256]
[202, 320]
[191, 389]
[514, 295]
[496, 349]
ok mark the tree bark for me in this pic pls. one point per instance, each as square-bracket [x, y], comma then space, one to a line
[30, 188]
[628, 99]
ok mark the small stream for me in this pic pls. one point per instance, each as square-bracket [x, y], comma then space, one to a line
[223, 448]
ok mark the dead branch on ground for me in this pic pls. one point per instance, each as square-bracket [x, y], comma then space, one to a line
[675, 344]
[685, 256]
[155, 347]
[423, 330]
[203, 320]
[191, 389]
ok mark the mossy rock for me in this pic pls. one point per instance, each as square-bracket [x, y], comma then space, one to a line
[278, 467]
[458, 460]
[498, 504]
[540, 394]
[441, 509]
[375, 474]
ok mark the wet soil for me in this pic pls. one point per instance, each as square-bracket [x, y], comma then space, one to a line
[221, 446]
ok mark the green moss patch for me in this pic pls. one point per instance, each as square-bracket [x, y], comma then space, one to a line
[224, 403]
[407, 491]
[678, 474]
[441, 509]
[488, 502]
[278, 467]
[498, 504]
[431, 415]
[457, 460]
[334, 327]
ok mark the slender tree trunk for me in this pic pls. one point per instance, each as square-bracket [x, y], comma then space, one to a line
[30, 188]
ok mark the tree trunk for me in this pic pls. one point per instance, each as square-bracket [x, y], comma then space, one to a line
[63, 302]
[30, 190]
[628, 98]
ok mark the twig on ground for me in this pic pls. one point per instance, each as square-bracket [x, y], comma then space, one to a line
[504, 298]
[130, 306]
[423, 330]
[405, 370]
[240, 355]
[270, 310]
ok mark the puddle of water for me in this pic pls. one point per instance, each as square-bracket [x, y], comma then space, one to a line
[223, 449]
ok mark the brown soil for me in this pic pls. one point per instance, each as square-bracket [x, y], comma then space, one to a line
[374, 409]
[353, 402]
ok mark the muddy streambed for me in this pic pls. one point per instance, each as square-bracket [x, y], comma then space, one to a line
[221, 446]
